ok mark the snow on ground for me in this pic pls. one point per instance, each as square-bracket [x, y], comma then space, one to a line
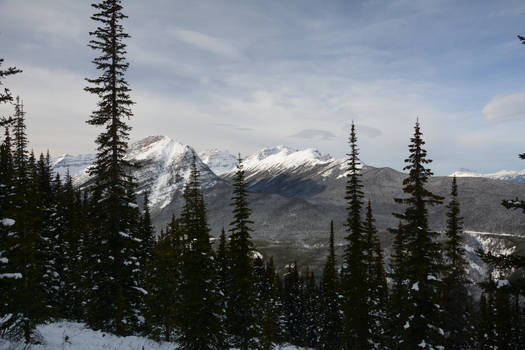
[76, 336]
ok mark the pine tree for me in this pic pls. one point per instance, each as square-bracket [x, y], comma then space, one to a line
[376, 282]
[243, 327]
[456, 298]
[25, 291]
[200, 311]
[270, 306]
[356, 308]
[8, 272]
[311, 310]
[420, 262]
[114, 294]
[293, 307]
[485, 328]
[51, 228]
[223, 267]
[74, 227]
[5, 96]
[164, 277]
[330, 318]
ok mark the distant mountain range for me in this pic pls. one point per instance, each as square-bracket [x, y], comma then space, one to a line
[295, 193]
[504, 175]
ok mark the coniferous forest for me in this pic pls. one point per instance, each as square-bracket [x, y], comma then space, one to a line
[93, 255]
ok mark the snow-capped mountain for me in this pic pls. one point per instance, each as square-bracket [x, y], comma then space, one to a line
[73, 164]
[504, 175]
[281, 159]
[219, 162]
[163, 168]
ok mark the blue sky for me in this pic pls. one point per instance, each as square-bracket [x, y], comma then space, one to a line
[242, 75]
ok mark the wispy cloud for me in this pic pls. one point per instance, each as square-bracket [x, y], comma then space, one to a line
[208, 43]
[505, 107]
[314, 134]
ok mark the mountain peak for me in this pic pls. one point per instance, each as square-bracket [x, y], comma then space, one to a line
[218, 161]
[280, 158]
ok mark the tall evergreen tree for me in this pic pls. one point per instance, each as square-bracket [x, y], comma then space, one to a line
[6, 96]
[242, 318]
[421, 264]
[26, 294]
[330, 318]
[114, 293]
[74, 227]
[376, 282]
[293, 308]
[51, 228]
[356, 308]
[200, 311]
[9, 273]
[164, 278]
[270, 306]
[223, 266]
[456, 298]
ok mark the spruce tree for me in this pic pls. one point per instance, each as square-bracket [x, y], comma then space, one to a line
[242, 317]
[23, 280]
[420, 259]
[6, 96]
[486, 339]
[329, 315]
[74, 227]
[376, 282]
[356, 308]
[200, 325]
[293, 306]
[51, 229]
[223, 267]
[114, 291]
[9, 273]
[311, 300]
[164, 278]
[456, 298]
[270, 306]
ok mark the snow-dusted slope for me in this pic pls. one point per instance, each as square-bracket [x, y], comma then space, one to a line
[76, 336]
[163, 168]
[280, 159]
[219, 162]
[73, 164]
[504, 175]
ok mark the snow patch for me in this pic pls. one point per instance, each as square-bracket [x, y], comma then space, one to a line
[8, 222]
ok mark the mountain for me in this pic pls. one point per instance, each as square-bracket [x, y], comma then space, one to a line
[295, 193]
[504, 175]
[162, 167]
[219, 162]
[73, 164]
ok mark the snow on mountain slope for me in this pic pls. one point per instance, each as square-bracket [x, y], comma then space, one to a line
[504, 175]
[280, 159]
[75, 164]
[163, 168]
[219, 162]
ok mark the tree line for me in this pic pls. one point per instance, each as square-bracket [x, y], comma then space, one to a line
[93, 255]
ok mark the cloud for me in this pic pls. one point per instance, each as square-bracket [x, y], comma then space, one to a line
[369, 131]
[314, 134]
[208, 43]
[232, 126]
[505, 107]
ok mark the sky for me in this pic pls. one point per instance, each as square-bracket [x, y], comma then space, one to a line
[244, 75]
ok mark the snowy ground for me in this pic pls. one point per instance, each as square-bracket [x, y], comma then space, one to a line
[76, 336]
